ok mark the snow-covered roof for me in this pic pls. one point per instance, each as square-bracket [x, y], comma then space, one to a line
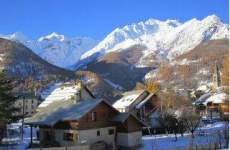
[217, 98]
[59, 92]
[59, 111]
[144, 101]
[127, 99]
[204, 88]
[202, 99]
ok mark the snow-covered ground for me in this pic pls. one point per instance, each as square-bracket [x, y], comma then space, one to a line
[21, 144]
[212, 133]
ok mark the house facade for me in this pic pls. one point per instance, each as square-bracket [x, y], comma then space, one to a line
[213, 105]
[89, 128]
[87, 122]
[129, 130]
[27, 104]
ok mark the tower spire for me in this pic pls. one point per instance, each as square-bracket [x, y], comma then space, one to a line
[216, 76]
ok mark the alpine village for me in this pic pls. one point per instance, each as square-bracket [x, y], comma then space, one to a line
[167, 89]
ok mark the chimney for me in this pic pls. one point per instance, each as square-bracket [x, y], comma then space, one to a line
[78, 96]
[78, 93]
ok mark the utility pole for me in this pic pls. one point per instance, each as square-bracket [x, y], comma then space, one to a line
[23, 112]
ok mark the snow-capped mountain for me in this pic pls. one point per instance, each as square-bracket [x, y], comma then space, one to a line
[20, 62]
[163, 39]
[17, 36]
[57, 49]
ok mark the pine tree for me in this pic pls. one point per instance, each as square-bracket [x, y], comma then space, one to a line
[7, 100]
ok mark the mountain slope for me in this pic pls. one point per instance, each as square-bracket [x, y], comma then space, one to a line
[56, 49]
[19, 60]
[163, 39]
[127, 54]
[33, 73]
[99, 87]
[118, 67]
[193, 69]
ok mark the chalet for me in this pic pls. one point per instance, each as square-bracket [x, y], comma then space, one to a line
[213, 105]
[139, 102]
[86, 122]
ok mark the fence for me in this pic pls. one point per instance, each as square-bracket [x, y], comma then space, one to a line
[78, 147]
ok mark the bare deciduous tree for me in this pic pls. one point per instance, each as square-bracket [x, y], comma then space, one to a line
[181, 125]
[191, 120]
[169, 122]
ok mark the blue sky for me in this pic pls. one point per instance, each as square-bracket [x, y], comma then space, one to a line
[97, 18]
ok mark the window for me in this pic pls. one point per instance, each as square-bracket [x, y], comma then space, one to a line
[94, 116]
[68, 137]
[98, 133]
[111, 131]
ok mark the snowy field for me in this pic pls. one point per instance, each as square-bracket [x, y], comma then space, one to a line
[211, 134]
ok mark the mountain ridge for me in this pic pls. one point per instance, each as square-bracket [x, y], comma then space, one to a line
[166, 39]
[57, 49]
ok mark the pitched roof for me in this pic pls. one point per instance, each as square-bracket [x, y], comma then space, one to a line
[144, 101]
[122, 117]
[202, 99]
[87, 89]
[133, 92]
[59, 111]
[216, 98]
[127, 99]
[62, 92]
